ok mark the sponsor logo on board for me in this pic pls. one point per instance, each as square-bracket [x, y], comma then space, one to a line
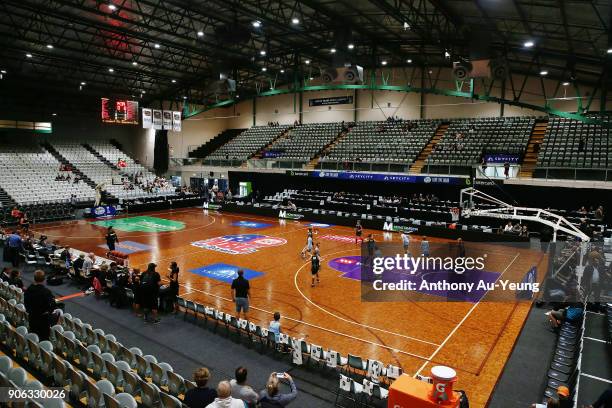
[239, 244]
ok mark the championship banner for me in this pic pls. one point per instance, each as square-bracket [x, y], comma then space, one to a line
[167, 120]
[176, 121]
[147, 118]
[157, 119]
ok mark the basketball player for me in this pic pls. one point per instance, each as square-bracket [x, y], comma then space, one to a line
[425, 246]
[406, 242]
[309, 243]
[358, 232]
[315, 266]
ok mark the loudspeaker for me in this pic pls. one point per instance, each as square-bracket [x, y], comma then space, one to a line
[499, 69]
[461, 70]
[348, 75]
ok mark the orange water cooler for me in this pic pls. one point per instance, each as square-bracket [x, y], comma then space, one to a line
[409, 392]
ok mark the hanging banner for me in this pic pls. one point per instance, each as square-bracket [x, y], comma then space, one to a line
[167, 115]
[335, 100]
[176, 121]
[157, 119]
[147, 118]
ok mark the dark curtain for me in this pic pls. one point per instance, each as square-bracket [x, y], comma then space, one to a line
[160, 152]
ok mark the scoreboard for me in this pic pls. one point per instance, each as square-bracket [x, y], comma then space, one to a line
[119, 111]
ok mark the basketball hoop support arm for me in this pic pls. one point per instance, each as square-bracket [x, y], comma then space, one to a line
[502, 210]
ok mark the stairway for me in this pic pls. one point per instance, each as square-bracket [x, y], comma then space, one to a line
[530, 158]
[419, 163]
[6, 200]
[99, 156]
[47, 146]
[312, 164]
[259, 154]
[214, 143]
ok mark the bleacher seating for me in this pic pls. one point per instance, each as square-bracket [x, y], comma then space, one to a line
[561, 146]
[90, 364]
[493, 135]
[85, 161]
[28, 175]
[303, 142]
[113, 155]
[248, 143]
[368, 142]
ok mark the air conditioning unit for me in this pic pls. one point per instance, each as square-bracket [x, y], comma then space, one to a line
[352, 74]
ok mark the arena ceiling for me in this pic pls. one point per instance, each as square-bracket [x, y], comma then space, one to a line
[60, 52]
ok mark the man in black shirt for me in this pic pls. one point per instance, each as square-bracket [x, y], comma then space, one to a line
[240, 293]
[149, 283]
[111, 239]
[39, 303]
[200, 396]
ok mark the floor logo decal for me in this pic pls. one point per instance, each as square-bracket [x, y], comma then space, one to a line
[225, 272]
[250, 224]
[129, 247]
[239, 244]
[142, 224]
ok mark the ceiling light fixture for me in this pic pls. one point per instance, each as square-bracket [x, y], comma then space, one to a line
[528, 44]
[174, 81]
[383, 62]
[3, 71]
[184, 97]
[446, 54]
[256, 23]
[29, 55]
[262, 52]
[351, 46]
[111, 70]
[134, 63]
[295, 20]
[609, 51]
[307, 62]
[50, 46]
[83, 83]
[565, 83]
[264, 69]
[409, 61]
[157, 45]
[543, 72]
[200, 33]
[333, 50]
[54, 114]
[282, 71]
[112, 7]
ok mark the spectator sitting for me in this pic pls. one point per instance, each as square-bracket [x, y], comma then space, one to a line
[271, 397]
[14, 279]
[224, 398]
[599, 213]
[516, 228]
[571, 313]
[241, 390]
[508, 227]
[202, 395]
[550, 403]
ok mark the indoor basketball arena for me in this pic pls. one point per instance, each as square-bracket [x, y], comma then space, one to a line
[243, 204]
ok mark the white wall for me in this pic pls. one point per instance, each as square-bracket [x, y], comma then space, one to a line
[197, 130]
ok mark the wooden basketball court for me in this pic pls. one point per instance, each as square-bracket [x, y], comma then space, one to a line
[475, 338]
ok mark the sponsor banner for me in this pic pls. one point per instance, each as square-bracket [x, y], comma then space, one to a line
[239, 244]
[129, 247]
[157, 119]
[335, 100]
[271, 154]
[142, 224]
[289, 215]
[225, 272]
[339, 238]
[530, 278]
[167, 120]
[389, 226]
[211, 206]
[147, 118]
[297, 173]
[391, 178]
[103, 211]
[176, 121]
[502, 158]
[250, 224]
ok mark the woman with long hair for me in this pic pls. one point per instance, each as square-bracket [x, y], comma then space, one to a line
[173, 293]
